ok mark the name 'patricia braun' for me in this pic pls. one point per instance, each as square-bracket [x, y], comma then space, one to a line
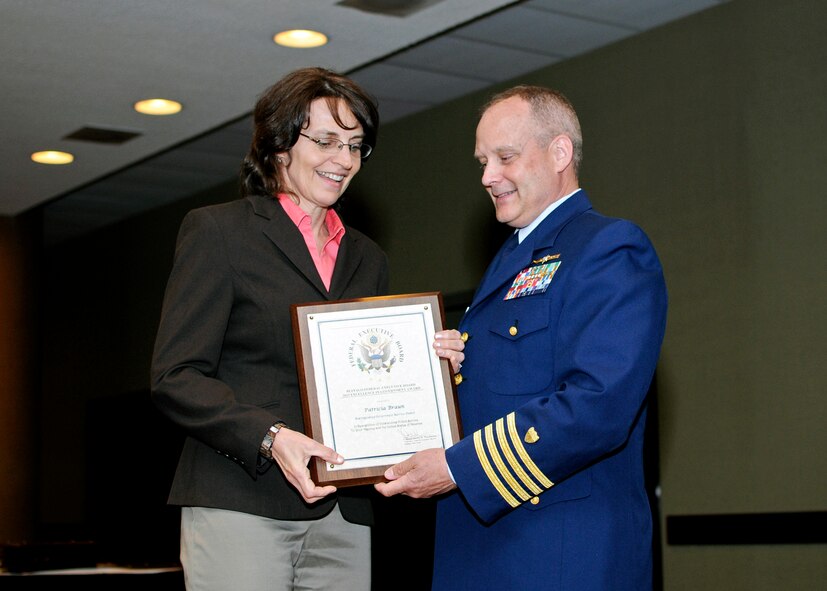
[384, 408]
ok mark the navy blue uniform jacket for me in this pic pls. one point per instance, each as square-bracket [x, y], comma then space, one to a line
[553, 404]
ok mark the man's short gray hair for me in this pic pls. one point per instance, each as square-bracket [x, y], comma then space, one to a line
[553, 113]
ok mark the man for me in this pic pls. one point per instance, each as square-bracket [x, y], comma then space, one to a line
[561, 342]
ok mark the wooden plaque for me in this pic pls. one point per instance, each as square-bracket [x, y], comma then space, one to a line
[372, 386]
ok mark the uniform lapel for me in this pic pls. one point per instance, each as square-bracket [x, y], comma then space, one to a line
[502, 267]
[505, 266]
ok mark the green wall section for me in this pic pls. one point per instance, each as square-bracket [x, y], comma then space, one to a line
[711, 133]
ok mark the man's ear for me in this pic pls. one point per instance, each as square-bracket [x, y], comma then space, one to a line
[561, 152]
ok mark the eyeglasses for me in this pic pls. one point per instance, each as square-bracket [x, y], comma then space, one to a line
[331, 145]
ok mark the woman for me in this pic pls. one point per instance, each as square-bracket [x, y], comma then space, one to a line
[224, 365]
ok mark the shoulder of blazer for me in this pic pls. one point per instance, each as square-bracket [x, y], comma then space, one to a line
[363, 243]
[263, 205]
[227, 214]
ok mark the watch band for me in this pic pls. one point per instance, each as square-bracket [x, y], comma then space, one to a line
[269, 437]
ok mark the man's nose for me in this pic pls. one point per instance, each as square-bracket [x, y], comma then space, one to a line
[490, 174]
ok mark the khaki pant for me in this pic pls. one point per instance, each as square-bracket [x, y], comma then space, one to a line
[229, 551]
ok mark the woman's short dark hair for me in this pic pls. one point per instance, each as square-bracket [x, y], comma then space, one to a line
[282, 111]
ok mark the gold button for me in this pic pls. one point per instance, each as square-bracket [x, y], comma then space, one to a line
[512, 331]
[532, 436]
[464, 337]
[458, 379]
[535, 500]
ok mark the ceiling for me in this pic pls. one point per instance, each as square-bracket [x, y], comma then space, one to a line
[84, 63]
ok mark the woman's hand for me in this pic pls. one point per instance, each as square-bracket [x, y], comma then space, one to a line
[449, 345]
[292, 452]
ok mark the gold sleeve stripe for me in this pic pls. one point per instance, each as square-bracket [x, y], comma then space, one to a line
[489, 471]
[498, 462]
[512, 460]
[518, 446]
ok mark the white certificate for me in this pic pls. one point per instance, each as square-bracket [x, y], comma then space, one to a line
[373, 387]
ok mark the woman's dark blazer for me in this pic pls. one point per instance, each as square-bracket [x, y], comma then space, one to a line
[224, 365]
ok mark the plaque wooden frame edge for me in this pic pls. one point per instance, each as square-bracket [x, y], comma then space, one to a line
[309, 392]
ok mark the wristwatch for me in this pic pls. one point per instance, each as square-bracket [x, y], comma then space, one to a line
[267, 442]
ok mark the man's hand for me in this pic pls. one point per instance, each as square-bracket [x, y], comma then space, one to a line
[292, 452]
[449, 345]
[423, 475]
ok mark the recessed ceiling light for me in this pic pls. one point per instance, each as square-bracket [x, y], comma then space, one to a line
[300, 38]
[52, 157]
[158, 106]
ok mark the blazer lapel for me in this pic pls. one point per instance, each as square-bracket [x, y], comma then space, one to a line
[347, 261]
[284, 234]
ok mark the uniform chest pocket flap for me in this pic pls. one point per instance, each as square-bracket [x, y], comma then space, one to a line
[523, 341]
